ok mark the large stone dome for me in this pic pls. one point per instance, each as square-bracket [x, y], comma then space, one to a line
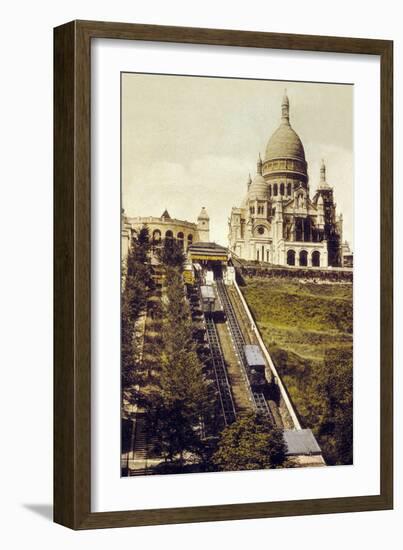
[285, 143]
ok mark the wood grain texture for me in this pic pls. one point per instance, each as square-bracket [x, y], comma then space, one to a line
[64, 363]
[72, 270]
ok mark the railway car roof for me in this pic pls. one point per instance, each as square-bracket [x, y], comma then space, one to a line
[253, 355]
[207, 292]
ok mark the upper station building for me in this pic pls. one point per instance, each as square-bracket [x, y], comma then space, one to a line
[184, 232]
[278, 221]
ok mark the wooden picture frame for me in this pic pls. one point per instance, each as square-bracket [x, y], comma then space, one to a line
[72, 272]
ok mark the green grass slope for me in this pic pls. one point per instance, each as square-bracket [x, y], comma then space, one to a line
[308, 330]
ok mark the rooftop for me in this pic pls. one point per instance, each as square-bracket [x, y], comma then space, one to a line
[208, 246]
[253, 355]
[301, 442]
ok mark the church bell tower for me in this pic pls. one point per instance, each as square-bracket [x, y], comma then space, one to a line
[203, 226]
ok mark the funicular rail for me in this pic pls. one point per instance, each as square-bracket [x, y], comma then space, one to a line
[259, 399]
[223, 384]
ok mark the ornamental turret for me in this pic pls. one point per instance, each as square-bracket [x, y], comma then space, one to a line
[203, 226]
[285, 109]
[322, 179]
[259, 165]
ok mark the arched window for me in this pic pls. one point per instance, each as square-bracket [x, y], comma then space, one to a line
[316, 258]
[289, 189]
[303, 258]
[269, 190]
[180, 238]
[267, 256]
[275, 189]
[291, 257]
[190, 239]
[282, 189]
[156, 236]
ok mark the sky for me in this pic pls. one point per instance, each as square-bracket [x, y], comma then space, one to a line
[189, 142]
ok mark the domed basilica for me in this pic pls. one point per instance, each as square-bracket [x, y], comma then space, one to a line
[278, 222]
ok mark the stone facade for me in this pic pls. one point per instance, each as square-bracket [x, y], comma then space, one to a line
[165, 227]
[278, 222]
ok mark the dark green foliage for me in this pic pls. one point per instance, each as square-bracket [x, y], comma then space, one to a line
[316, 307]
[322, 392]
[126, 434]
[183, 400]
[335, 383]
[174, 426]
[135, 287]
[171, 254]
[250, 443]
[308, 330]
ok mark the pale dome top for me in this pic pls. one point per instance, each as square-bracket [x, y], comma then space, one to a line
[258, 188]
[285, 142]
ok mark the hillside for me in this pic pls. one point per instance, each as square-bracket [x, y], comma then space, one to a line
[308, 330]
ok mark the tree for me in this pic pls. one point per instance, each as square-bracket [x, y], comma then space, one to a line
[250, 443]
[184, 397]
[136, 285]
[174, 429]
[335, 385]
[171, 254]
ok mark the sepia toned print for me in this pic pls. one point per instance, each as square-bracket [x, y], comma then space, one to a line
[237, 274]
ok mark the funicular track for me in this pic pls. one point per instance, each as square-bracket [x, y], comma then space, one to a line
[223, 384]
[259, 399]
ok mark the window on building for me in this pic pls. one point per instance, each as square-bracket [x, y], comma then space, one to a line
[299, 229]
[307, 230]
[291, 257]
[260, 230]
[316, 258]
[180, 238]
[269, 190]
[282, 189]
[303, 258]
[275, 189]
[289, 189]
[156, 236]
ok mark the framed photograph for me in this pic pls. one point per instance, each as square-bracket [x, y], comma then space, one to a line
[223, 274]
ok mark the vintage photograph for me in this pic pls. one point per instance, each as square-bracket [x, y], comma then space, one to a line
[236, 274]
